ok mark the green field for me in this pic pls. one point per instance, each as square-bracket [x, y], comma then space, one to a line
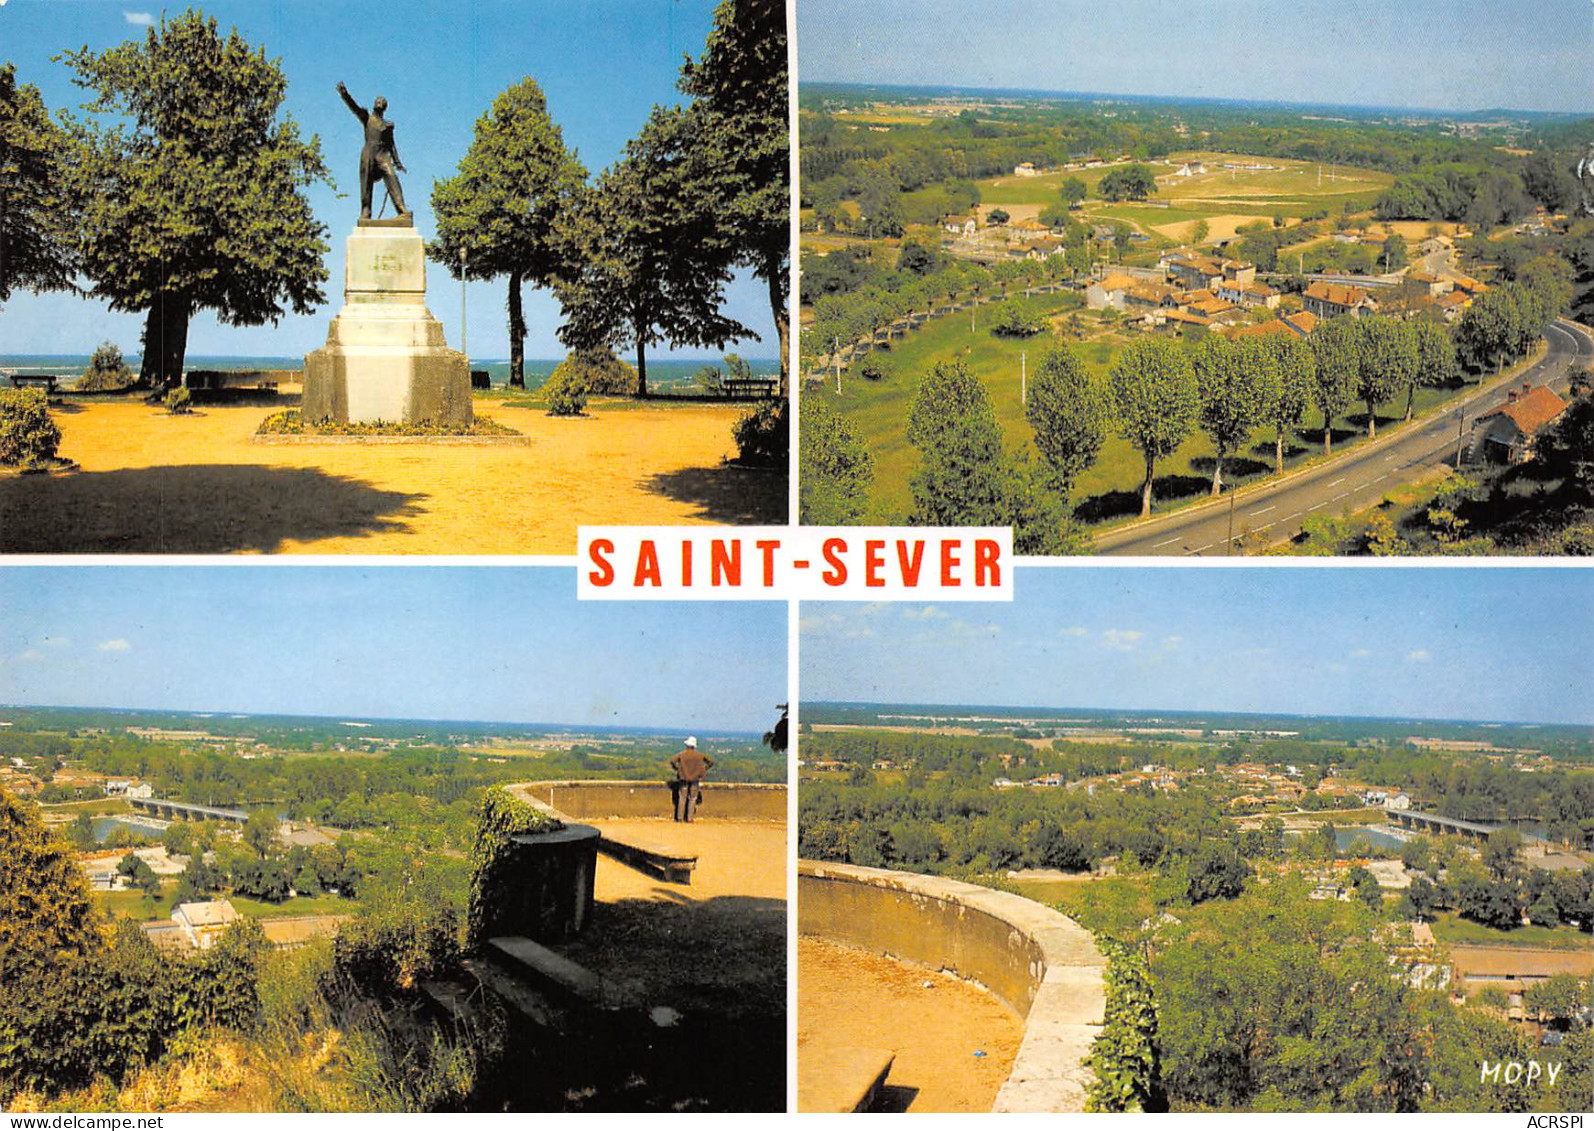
[1109, 491]
[136, 905]
[1452, 929]
[293, 908]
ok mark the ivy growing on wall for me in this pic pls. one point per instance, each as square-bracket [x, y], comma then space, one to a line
[1125, 1056]
[502, 817]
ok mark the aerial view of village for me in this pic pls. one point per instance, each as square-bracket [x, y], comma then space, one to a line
[396, 279]
[1084, 280]
[269, 862]
[1345, 865]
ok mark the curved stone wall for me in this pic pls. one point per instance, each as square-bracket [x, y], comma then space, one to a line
[1042, 964]
[596, 800]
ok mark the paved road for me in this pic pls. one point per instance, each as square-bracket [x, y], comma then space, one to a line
[1349, 482]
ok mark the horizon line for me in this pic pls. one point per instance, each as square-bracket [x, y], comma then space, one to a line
[1196, 711]
[1078, 95]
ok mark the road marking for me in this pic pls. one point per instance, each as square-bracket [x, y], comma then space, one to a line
[1264, 510]
[1287, 517]
[1380, 479]
[1169, 542]
[1341, 495]
[1198, 549]
[1314, 506]
[1337, 482]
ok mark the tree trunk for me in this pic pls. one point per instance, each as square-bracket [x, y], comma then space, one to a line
[1217, 475]
[1372, 420]
[1145, 491]
[1278, 453]
[517, 334]
[777, 307]
[641, 366]
[165, 342]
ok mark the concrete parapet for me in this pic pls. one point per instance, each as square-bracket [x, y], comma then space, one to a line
[596, 800]
[1041, 963]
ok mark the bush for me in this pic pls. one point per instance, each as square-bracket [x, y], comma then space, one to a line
[606, 375]
[1012, 320]
[28, 437]
[763, 436]
[178, 401]
[107, 371]
[566, 392]
[873, 368]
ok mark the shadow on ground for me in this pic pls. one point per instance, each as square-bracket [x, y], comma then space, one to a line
[736, 496]
[202, 509]
[1118, 504]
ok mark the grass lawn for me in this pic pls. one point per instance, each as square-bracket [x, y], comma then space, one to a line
[134, 904]
[1109, 491]
[1453, 929]
[291, 908]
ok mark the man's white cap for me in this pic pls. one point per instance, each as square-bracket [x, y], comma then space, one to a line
[691, 740]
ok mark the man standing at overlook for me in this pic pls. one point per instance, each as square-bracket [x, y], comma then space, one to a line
[690, 769]
[379, 157]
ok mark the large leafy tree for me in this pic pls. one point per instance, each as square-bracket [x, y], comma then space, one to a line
[1437, 364]
[631, 278]
[1070, 412]
[1294, 369]
[1157, 401]
[835, 468]
[1236, 379]
[1387, 363]
[1336, 345]
[739, 117]
[500, 214]
[35, 245]
[191, 193]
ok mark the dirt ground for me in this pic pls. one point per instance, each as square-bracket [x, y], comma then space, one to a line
[715, 945]
[150, 482]
[849, 997]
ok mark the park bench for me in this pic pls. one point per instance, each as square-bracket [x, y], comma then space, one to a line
[843, 1079]
[667, 864]
[215, 380]
[22, 380]
[750, 388]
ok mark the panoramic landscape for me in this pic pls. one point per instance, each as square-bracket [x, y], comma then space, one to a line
[1344, 868]
[1288, 309]
[244, 329]
[296, 898]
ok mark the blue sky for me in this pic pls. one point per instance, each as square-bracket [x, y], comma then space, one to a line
[603, 65]
[1488, 644]
[1437, 54]
[440, 642]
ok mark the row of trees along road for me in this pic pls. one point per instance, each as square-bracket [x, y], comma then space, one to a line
[185, 190]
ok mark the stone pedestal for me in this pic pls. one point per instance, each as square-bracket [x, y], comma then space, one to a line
[554, 873]
[385, 357]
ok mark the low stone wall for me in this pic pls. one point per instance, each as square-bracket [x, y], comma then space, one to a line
[595, 800]
[1042, 964]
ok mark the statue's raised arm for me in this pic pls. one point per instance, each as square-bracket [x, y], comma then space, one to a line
[354, 107]
[379, 158]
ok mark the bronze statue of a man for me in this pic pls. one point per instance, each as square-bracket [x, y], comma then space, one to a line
[379, 158]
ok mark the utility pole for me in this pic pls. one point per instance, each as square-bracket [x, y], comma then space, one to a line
[463, 348]
[1461, 418]
[1023, 379]
[835, 355]
[1230, 549]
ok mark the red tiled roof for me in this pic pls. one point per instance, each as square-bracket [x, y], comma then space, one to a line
[1260, 329]
[1336, 293]
[1303, 320]
[1531, 411]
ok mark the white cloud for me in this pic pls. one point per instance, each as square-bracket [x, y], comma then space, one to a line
[1420, 656]
[138, 19]
[1171, 642]
[1360, 653]
[117, 645]
[1121, 639]
[928, 612]
[819, 622]
[57, 641]
[1075, 631]
[32, 654]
